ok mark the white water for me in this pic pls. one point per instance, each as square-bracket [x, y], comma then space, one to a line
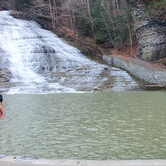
[41, 62]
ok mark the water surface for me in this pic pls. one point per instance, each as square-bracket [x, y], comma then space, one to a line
[93, 126]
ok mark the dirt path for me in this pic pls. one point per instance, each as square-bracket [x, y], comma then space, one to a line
[127, 56]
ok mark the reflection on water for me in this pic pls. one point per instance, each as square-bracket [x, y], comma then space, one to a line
[102, 125]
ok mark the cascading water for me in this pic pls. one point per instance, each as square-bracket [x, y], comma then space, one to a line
[41, 62]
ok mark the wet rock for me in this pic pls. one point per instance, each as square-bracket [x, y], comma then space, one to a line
[16, 13]
[154, 87]
[5, 75]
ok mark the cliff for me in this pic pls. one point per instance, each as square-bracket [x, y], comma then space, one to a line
[150, 29]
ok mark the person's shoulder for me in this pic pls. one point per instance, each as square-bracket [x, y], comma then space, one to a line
[1, 98]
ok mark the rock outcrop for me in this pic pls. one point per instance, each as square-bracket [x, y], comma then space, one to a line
[5, 75]
[150, 30]
[7, 4]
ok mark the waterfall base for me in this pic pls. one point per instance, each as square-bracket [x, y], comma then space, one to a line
[40, 62]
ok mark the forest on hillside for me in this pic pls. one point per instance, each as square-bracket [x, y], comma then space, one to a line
[108, 22]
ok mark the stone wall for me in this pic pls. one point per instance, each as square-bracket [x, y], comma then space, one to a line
[139, 69]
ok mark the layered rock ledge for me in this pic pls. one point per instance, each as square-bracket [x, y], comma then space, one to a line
[143, 70]
[150, 30]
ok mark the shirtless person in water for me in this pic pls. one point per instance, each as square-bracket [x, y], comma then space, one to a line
[2, 110]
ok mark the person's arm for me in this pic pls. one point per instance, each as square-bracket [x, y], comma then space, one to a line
[2, 110]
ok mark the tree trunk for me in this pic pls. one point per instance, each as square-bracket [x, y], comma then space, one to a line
[52, 15]
[90, 17]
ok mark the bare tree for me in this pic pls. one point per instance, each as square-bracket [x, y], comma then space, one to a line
[52, 8]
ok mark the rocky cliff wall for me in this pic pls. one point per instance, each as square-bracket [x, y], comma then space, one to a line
[150, 30]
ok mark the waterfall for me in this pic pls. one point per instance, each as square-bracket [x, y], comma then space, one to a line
[41, 62]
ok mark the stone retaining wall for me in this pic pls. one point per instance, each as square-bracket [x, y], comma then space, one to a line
[139, 69]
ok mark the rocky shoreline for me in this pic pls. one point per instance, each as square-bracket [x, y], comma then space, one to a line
[153, 75]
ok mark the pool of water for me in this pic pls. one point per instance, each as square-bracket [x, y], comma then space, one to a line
[93, 126]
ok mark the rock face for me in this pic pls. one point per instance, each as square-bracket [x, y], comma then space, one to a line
[7, 5]
[150, 30]
[5, 75]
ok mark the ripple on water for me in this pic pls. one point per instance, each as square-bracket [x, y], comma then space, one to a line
[101, 126]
